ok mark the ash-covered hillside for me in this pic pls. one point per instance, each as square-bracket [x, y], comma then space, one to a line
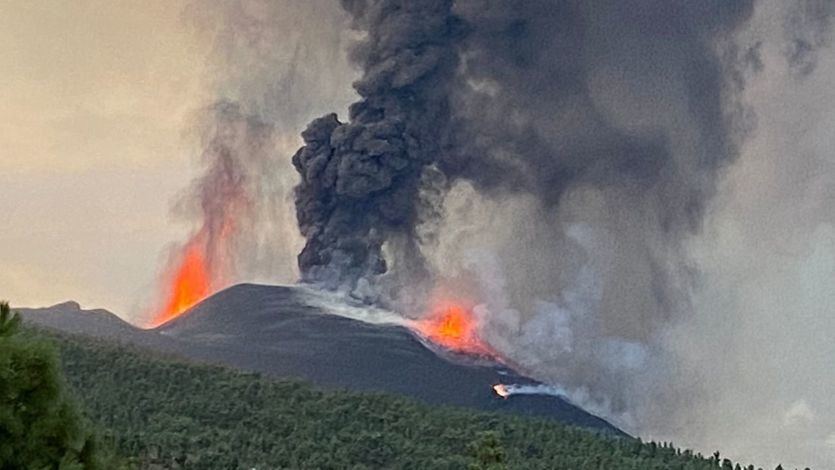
[287, 332]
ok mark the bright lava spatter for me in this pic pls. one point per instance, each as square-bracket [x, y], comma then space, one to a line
[501, 390]
[455, 328]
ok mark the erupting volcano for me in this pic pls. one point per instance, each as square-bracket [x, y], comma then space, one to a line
[223, 202]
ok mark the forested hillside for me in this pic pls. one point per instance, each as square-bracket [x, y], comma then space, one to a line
[161, 412]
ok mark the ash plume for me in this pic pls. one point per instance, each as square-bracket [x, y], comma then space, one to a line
[361, 180]
[623, 102]
[551, 159]
[595, 176]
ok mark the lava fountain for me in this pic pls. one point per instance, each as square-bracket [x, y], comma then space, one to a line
[224, 203]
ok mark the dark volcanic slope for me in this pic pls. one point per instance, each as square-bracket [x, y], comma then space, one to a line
[275, 330]
[70, 318]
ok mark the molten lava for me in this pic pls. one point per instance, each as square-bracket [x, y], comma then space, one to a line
[190, 284]
[455, 328]
[501, 390]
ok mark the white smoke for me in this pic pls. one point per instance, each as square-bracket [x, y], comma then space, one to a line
[338, 303]
[761, 337]
[746, 368]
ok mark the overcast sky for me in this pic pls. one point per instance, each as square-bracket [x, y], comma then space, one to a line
[94, 97]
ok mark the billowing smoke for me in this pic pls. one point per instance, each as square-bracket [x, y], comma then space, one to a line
[593, 131]
[530, 98]
[560, 163]
[362, 180]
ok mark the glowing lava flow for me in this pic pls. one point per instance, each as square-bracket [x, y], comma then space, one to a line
[501, 390]
[455, 328]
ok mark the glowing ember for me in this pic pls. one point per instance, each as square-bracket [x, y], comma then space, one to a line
[454, 327]
[501, 390]
[190, 284]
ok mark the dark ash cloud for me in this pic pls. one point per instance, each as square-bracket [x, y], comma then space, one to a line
[531, 97]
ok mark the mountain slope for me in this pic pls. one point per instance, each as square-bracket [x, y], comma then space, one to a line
[282, 332]
[166, 413]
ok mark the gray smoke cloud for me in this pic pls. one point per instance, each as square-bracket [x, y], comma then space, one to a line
[760, 335]
[569, 186]
[594, 132]
[513, 97]
[361, 180]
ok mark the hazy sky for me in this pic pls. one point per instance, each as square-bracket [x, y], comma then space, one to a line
[100, 103]
[94, 97]
[97, 95]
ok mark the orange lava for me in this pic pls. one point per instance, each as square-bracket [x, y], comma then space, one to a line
[190, 284]
[455, 328]
[501, 390]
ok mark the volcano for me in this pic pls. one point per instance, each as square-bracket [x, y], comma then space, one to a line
[294, 332]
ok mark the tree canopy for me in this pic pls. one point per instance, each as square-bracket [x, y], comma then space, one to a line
[40, 426]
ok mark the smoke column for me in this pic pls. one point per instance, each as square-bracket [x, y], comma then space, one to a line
[224, 196]
[568, 180]
[361, 180]
[592, 134]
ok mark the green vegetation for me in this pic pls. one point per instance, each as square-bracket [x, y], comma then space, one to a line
[164, 412]
[168, 413]
[40, 427]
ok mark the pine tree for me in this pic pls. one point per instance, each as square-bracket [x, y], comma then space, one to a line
[39, 426]
[488, 452]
